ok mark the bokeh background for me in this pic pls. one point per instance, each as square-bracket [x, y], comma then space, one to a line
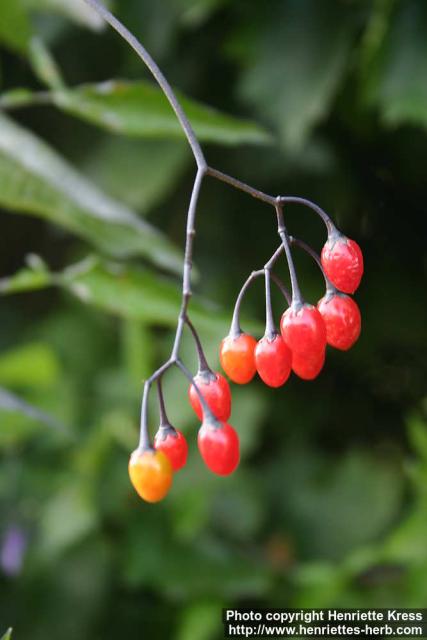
[326, 100]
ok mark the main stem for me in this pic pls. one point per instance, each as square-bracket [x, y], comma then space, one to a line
[158, 75]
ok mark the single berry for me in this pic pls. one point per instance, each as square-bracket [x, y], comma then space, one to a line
[273, 360]
[237, 356]
[216, 392]
[303, 330]
[342, 319]
[219, 447]
[151, 474]
[308, 366]
[342, 260]
[174, 446]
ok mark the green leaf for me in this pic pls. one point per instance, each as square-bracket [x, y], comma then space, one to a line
[140, 109]
[200, 620]
[325, 504]
[196, 12]
[35, 179]
[399, 87]
[131, 293]
[76, 10]
[15, 29]
[7, 635]
[44, 65]
[33, 365]
[134, 293]
[67, 518]
[297, 64]
[140, 173]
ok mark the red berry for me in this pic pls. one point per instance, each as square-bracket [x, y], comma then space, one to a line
[308, 366]
[237, 356]
[303, 330]
[219, 447]
[174, 446]
[273, 360]
[342, 319]
[342, 261]
[215, 390]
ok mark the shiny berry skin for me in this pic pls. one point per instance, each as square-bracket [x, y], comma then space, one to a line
[219, 447]
[273, 360]
[215, 390]
[308, 366]
[237, 356]
[151, 474]
[303, 330]
[174, 446]
[342, 319]
[342, 261]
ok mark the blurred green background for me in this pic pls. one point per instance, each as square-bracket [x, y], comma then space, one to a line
[326, 100]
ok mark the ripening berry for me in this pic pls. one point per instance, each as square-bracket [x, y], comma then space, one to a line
[215, 390]
[303, 330]
[151, 474]
[174, 446]
[273, 360]
[342, 319]
[342, 260]
[237, 356]
[219, 447]
[308, 366]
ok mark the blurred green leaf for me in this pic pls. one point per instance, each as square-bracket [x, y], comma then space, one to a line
[68, 517]
[296, 64]
[35, 179]
[33, 365]
[326, 504]
[204, 568]
[139, 173]
[127, 292]
[201, 620]
[195, 12]
[399, 87]
[15, 29]
[76, 10]
[44, 65]
[372, 43]
[139, 109]
[417, 429]
[7, 635]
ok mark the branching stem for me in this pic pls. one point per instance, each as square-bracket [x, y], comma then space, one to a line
[330, 289]
[297, 298]
[203, 170]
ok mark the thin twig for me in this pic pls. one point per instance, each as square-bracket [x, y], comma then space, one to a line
[311, 205]
[330, 289]
[241, 186]
[297, 298]
[270, 327]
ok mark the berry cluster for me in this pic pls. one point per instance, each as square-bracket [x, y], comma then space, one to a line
[299, 346]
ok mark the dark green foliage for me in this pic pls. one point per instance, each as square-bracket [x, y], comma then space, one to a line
[323, 99]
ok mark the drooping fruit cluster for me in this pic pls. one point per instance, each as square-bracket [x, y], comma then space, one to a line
[305, 330]
[300, 345]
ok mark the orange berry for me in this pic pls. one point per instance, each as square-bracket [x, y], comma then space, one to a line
[151, 474]
[237, 356]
